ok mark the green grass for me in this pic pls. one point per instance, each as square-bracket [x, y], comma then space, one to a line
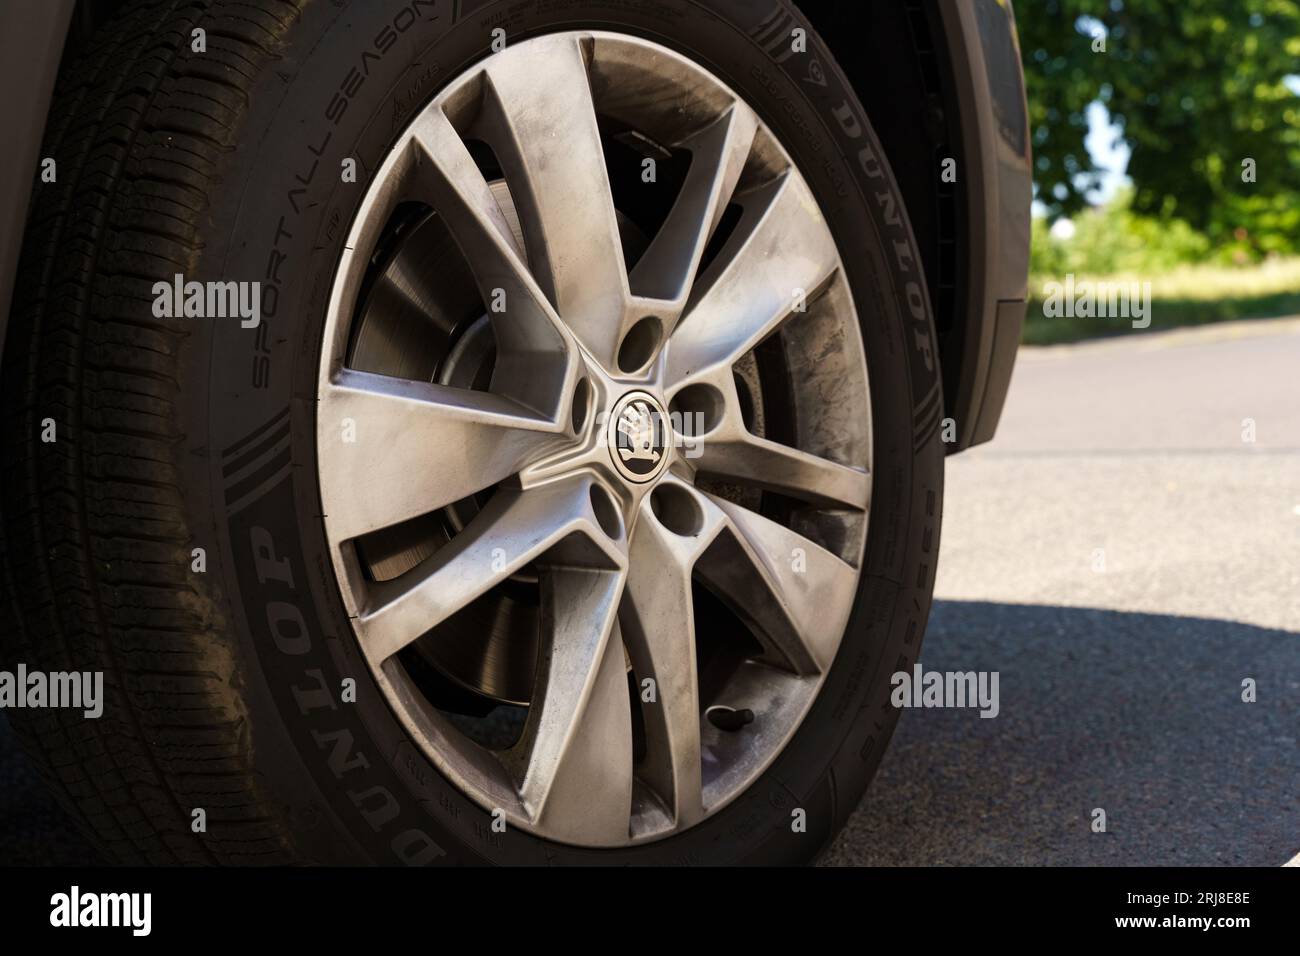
[1186, 295]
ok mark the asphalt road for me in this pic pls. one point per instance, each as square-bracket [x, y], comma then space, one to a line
[1120, 679]
[1120, 682]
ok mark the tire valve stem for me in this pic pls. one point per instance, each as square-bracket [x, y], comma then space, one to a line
[728, 718]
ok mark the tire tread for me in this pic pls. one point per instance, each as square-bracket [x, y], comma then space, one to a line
[95, 536]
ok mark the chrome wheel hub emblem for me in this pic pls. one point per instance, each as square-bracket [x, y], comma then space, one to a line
[639, 437]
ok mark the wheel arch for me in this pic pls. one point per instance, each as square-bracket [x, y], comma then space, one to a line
[942, 79]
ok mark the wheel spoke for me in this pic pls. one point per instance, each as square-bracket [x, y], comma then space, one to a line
[658, 622]
[734, 452]
[513, 529]
[785, 585]
[767, 464]
[535, 362]
[539, 117]
[577, 746]
[731, 451]
[419, 446]
[781, 250]
[718, 153]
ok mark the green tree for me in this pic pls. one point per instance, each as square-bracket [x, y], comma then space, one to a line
[1197, 87]
[1112, 239]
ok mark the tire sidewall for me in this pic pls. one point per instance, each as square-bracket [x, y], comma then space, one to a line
[347, 778]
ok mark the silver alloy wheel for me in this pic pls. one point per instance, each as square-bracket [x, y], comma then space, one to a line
[602, 459]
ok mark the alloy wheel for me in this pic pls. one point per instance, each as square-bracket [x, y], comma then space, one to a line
[594, 469]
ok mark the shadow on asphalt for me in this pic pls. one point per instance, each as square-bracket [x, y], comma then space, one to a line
[1139, 714]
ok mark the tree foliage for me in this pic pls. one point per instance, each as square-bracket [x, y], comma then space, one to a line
[1197, 87]
[1112, 239]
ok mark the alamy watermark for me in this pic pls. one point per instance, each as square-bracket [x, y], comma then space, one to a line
[76, 690]
[946, 689]
[645, 431]
[75, 908]
[1102, 300]
[208, 300]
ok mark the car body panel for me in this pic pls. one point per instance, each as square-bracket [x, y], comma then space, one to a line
[989, 85]
[32, 33]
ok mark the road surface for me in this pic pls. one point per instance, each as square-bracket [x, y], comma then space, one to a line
[1124, 555]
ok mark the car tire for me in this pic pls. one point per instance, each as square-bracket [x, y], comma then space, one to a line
[163, 520]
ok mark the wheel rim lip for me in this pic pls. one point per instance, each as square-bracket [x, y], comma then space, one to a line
[427, 729]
